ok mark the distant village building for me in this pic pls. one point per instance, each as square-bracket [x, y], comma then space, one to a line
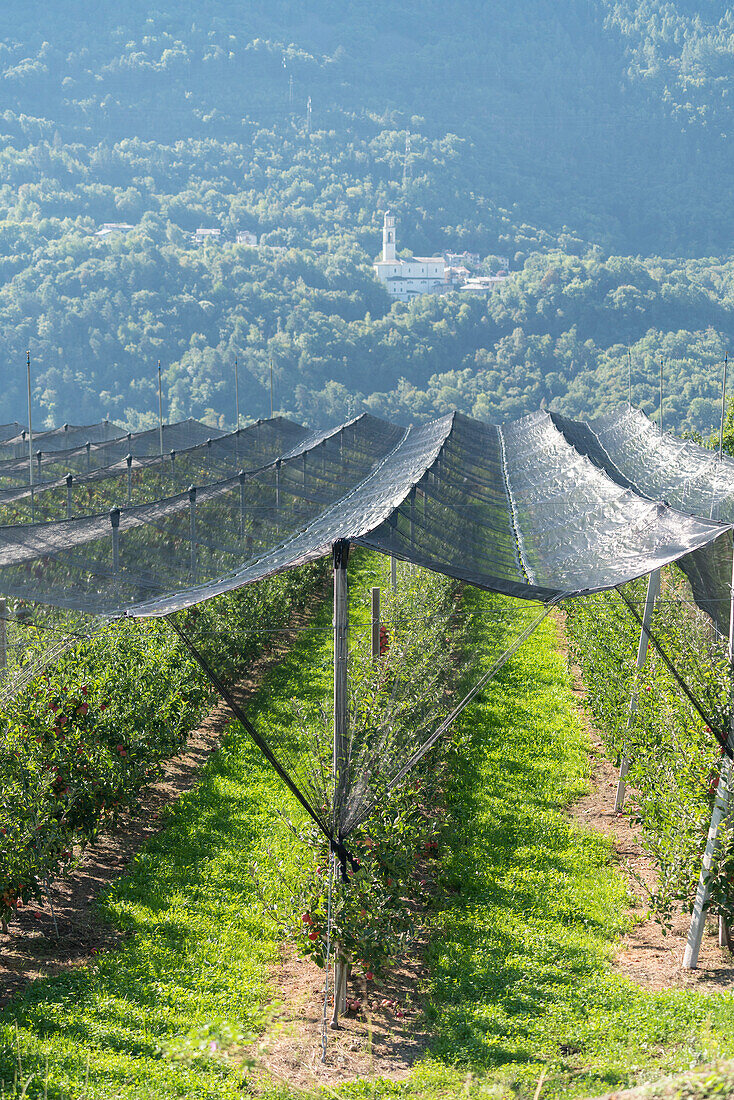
[461, 259]
[482, 284]
[245, 236]
[202, 235]
[108, 228]
[406, 279]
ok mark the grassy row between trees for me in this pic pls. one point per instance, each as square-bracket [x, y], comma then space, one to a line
[523, 921]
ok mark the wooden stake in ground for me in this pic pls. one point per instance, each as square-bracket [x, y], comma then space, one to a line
[721, 805]
[653, 591]
[341, 722]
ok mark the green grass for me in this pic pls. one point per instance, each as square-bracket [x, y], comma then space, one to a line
[521, 948]
[201, 948]
[522, 935]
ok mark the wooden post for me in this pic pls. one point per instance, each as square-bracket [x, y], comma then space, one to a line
[341, 721]
[129, 461]
[375, 623]
[394, 573]
[653, 591]
[3, 633]
[721, 804]
[69, 500]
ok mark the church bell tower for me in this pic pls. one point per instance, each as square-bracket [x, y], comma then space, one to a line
[388, 238]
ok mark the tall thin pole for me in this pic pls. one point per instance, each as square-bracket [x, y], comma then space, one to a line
[341, 720]
[237, 391]
[629, 377]
[721, 805]
[723, 408]
[375, 623]
[30, 434]
[653, 591]
[661, 395]
[3, 634]
[160, 407]
[271, 387]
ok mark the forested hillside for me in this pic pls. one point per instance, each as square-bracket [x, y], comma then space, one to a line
[583, 141]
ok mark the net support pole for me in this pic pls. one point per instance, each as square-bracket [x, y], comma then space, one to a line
[653, 591]
[3, 634]
[115, 524]
[160, 408]
[721, 805]
[129, 461]
[394, 574]
[192, 530]
[69, 498]
[375, 623]
[237, 396]
[341, 720]
[241, 475]
[30, 436]
[723, 408]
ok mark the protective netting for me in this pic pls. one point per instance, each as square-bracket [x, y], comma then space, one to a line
[15, 447]
[635, 454]
[516, 509]
[535, 509]
[140, 476]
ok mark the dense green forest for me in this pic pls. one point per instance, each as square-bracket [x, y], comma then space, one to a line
[588, 142]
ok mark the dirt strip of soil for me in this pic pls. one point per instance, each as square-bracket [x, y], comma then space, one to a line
[383, 1038]
[648, 957]
[31, 949]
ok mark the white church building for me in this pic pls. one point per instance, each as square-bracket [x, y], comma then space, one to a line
[406, 279]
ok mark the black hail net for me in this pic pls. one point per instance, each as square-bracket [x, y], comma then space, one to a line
[538, 509]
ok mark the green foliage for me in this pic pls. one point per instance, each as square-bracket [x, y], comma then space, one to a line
[674, 757]
[406, 692]
[173, 118]
[77, 745]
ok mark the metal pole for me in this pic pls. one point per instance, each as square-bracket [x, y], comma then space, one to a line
[237, 391]
[160, 407]
[394, 573]
[653, 591]
[3, 633]
[241, 475]
[721, 805]
[129, 461]
[30, 435]
[723, 408]
[192, 529]
[69, 501]
[341, 722]
[375, 623]
[115, 522]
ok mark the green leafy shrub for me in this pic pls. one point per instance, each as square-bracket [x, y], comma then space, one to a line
[672, 752]
[77, 745]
